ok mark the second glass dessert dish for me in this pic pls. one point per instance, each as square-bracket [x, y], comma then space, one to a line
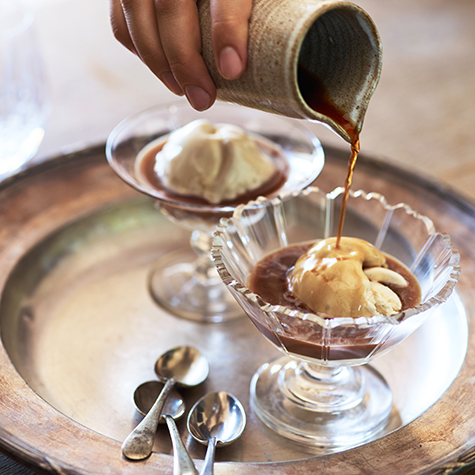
[322, 392]
[188, 161]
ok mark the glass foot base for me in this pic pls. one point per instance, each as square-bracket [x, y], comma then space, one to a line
[334, 413]
[179, 285]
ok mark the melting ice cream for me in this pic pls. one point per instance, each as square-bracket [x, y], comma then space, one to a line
[214, 162]
[346, 281]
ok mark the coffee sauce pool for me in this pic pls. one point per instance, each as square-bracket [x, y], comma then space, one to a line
[317, 98]
[269, 279]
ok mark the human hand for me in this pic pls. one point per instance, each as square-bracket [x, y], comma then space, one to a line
[165, 35]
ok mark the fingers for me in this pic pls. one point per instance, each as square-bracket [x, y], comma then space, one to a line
[180, 37]
[119, 25]
[165, 35]
[141, 23]
[229, 31]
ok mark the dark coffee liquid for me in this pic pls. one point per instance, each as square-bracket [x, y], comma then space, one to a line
[149, 175]
[269, 280]
[316, 97]
[355, 148]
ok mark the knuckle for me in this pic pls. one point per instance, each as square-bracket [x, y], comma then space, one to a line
[226, 23]
[184, 64]
[118, 32]
[153, 61]
[147, 57]
[232, 14]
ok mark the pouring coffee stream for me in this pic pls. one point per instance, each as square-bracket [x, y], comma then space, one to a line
[316, 96]
[345, 119]
[355, 148]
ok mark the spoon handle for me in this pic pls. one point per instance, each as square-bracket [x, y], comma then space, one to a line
[182, 463]
[208, 467]
[139, 443]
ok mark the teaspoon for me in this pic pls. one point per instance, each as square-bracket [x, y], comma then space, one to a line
[217, 418]
[184, 366]
[174, 408]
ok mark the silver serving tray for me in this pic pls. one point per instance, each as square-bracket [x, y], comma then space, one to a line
[80, 332]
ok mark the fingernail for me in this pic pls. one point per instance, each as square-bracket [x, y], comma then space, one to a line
[198, 97]
[169, 80]
[230, 64]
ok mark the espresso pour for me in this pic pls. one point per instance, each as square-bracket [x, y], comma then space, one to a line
[317, 97]
[337, 85]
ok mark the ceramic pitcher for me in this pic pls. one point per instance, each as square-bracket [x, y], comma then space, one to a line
[301, 51]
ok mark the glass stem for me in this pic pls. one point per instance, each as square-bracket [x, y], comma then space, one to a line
[323, 388]
[323, 373]
[200, 242]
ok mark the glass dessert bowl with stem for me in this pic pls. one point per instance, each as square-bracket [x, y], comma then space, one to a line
[185, 282]
[321, 392]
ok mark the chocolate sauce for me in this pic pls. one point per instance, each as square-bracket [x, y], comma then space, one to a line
[270, 187]
[317, 98]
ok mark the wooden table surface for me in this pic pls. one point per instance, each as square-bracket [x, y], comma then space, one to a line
[420, 116]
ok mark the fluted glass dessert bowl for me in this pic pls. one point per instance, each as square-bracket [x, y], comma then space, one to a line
[322, 392]
[185, 282]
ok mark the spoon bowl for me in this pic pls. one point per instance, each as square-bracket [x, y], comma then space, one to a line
[216, 419]
[184, 366]
[147, 393]
[174, 407]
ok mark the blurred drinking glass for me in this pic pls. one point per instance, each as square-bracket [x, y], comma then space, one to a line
[22, 88]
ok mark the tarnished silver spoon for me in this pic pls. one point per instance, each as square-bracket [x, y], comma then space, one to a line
[217, 418]
[184, 366]
[174, 407]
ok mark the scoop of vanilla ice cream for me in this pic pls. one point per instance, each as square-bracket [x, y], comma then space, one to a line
[215, 162]
[332, 280]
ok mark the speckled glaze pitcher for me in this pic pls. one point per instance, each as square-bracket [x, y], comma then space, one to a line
[300, 52]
